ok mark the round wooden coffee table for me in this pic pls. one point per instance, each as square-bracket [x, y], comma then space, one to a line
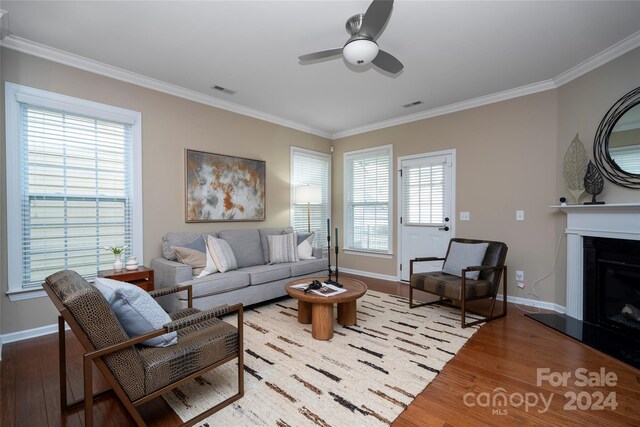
[318, 310]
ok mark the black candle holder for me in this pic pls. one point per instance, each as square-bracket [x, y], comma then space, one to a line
[329, 280]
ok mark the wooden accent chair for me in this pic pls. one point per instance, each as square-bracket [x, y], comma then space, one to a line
[137, 373]
[453, 289]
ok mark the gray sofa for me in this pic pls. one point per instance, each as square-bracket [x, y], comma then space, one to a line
[254, 281]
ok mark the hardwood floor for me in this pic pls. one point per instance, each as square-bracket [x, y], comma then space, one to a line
[503, 355]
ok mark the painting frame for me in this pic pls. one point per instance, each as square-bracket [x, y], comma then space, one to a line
[223, 188]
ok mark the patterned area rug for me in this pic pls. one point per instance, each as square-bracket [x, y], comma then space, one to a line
[365, 375]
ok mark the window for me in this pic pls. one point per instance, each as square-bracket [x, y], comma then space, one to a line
[73, 185]
[311, 167]
[423, 191]
[367, 203]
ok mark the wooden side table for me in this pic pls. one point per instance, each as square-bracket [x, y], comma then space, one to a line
[142, 277]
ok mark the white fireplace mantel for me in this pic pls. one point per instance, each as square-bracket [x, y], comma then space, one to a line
[614, 221]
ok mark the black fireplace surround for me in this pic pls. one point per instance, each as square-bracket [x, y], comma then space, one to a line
[611, 309]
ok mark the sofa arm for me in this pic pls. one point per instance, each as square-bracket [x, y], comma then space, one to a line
[169, 273]
[318, 253]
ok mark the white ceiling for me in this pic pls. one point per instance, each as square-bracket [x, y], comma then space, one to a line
[452, 51]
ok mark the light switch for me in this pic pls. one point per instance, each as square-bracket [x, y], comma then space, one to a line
[519, 215]
[465, 216]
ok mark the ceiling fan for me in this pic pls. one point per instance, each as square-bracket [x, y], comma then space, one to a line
[361, 48]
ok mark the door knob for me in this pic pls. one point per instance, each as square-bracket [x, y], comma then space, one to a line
[445, 228]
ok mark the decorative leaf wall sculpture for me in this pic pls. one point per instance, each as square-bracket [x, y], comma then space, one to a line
[575, 167]
[593, 183]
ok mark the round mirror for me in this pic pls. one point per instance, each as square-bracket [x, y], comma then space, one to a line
[616, 148]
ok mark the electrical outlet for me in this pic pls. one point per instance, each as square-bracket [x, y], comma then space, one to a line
[519, 276]
[519, 215]
[520, 285]
[465, 216]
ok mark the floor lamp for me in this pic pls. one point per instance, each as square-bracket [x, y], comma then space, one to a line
[309, 194]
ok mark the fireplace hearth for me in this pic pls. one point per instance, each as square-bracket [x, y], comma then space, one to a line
[603, 280]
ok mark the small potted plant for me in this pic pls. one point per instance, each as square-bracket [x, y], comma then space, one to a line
[117, 252]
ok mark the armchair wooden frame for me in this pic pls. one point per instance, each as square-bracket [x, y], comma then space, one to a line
[93, 356]
[500, 271]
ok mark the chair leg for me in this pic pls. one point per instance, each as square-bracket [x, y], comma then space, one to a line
[88, 391]
[463, 299]
[62, 363]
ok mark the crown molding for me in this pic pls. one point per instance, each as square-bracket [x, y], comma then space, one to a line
[452, 108]
[62, 57]
[42, 51]
[599, 59]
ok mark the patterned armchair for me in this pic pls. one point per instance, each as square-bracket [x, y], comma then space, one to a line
[455, 288]
[137, 373]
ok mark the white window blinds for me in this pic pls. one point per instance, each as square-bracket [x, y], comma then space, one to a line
[74, 186]
[311, 167]
[423, 191]
[367, 175]
[627, 158]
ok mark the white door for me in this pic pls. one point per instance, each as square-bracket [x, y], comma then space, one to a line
[426, 208]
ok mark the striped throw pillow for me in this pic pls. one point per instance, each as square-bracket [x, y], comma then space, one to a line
[283, 248]
[222, 254]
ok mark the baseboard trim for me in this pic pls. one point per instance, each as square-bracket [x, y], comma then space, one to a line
[30, 333]
[369, 274]
[533, 303]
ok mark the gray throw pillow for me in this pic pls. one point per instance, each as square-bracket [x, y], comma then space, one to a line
[199, 245]
[136, 310]
[463, 255]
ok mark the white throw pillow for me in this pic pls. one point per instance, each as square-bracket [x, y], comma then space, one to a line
[283, 248]
[136, 310]
[305, 250]
[210, 266]
[222, 254]
[463, 255]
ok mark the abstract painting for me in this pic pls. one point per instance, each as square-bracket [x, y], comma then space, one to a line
[223, 188]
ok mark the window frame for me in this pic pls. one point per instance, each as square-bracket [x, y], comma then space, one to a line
[346, 205]
[293, 150]
[16, 94]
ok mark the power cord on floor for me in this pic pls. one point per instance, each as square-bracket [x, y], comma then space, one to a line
[533, 294]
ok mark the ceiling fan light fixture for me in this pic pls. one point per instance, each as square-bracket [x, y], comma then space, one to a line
[360, 52]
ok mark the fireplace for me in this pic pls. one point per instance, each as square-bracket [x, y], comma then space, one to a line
[603, 279]
[612, 284]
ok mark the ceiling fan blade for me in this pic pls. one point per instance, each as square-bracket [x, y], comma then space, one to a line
[320, 55]
[375, 17]
[387, 62]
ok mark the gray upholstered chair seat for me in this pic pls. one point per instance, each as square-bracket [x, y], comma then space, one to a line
[199, 346]
[448, 286]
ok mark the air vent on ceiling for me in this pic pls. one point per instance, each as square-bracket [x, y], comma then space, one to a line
[412, 104]
[223, 89]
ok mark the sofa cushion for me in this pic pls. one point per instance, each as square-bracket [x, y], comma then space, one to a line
[264, 238]
[283, 248]
[267, 273]
[218, 283]
[245, 245]
[307, 266]
[181, 239]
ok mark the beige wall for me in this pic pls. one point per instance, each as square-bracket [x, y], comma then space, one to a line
[505, 154]
[582, 103]
[169, 125]
[509, 156]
